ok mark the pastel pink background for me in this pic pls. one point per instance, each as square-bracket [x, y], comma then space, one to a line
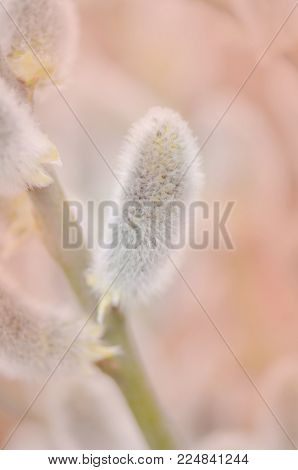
[193, 56]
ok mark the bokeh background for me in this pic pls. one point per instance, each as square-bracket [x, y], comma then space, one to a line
[193, 56]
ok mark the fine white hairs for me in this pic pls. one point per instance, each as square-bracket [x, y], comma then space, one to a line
[159, 165]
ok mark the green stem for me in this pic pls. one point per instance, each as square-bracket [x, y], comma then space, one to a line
[53, 213]
[127, 372]
[50, 209]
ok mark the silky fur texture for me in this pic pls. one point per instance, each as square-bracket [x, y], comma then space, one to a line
[33, 340]
[49, 27]
[24, 149]
[155, 160]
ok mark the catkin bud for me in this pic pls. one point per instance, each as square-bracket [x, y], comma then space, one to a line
[24, 149]
[156, 181]
[33, 341]
[47, 27]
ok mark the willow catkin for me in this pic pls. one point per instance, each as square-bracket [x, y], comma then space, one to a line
[33, 341]
[38, 37]
[159, 170]
[24, 149]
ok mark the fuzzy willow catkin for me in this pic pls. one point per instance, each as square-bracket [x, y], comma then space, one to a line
[33, 340]
[156, 183]
[24, 149]
[47, 27]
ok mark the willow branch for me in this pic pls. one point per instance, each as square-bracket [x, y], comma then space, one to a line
[128, 373]
[49, 205]
[51, 211]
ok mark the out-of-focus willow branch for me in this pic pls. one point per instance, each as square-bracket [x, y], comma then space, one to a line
[125, 369]
[222, 5]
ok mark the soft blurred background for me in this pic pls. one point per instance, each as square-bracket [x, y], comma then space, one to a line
[193, 56]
